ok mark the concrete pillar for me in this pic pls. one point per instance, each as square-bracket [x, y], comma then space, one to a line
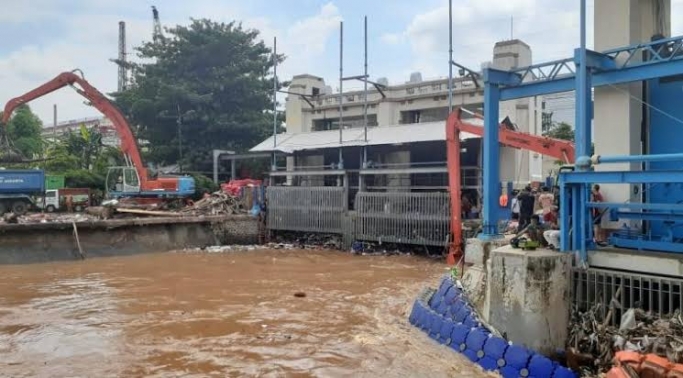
[528, 298]
[515, 164]
[297, 120]
[617, 111]
[398, 159]
[387, 114]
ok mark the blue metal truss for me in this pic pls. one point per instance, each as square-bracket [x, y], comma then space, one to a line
[651, 60]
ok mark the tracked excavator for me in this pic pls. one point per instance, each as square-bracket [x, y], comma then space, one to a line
[131, 181]
[559, 149]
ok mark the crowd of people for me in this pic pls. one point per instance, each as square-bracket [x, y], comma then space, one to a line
[535, 216]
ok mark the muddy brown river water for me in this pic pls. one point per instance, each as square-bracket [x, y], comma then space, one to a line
[220, 314]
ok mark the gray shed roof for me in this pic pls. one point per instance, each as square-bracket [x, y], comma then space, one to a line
[398, 134]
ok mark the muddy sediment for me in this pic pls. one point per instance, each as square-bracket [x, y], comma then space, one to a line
[266, 313]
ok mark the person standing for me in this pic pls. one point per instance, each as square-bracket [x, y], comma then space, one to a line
[526, 207]
[546, 200]
[514, 205]
[596, 213]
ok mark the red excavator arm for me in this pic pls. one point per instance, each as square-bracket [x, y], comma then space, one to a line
[559, 149]
[98, 100]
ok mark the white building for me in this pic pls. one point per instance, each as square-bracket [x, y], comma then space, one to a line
[312, 112]
[109, 135]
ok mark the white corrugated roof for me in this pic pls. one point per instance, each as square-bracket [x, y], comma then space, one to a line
[415, 132]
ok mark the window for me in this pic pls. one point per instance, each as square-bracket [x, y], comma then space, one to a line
[315, 91]
[50, 194]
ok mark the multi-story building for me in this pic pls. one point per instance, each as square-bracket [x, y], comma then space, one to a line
[109, 135]
[402, 116]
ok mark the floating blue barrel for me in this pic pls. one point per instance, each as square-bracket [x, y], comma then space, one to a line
[446, 331]
[425, 318]
[413, 314]
[517, 357]
[442, 308]
[488, 363]
[475, 343]
[451, 294]
[462, 314]
[435, 325]
[455, 306]
[563, 372]
[540, 366]
[459, 336]
[495, 348]
[471, 321]
[509, 372]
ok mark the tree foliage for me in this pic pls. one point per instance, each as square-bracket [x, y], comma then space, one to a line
[211, 80]
[82, 158]
[23, 133]
[560, 130]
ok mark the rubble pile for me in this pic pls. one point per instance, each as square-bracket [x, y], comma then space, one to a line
[218, 203]
[593, 342]
[10, 218]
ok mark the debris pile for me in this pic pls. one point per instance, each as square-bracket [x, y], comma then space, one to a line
[593, 341]
[10, 218]
[218, 203]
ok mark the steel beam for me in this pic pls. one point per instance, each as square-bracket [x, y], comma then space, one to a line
[336, 172]
[400, 171]
[635, 205]
[596, 60]
[491, 154]
[621, 177]
[500, 77]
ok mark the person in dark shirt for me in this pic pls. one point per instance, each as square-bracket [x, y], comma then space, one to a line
[526, 207]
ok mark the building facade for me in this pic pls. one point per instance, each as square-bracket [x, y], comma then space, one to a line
[312, 107]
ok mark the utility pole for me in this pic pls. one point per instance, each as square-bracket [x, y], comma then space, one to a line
[180, 140]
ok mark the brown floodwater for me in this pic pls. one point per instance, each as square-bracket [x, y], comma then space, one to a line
[221, 314]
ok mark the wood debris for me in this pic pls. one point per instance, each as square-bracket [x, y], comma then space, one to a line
[593, 341]
[217, 203]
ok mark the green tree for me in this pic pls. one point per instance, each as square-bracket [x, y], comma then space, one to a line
[210, 80]
[22, 134]
[560, 130]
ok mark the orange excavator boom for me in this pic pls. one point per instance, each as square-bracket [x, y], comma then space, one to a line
[129, 145]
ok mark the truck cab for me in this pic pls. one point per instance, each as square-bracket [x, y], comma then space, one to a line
[56, 199]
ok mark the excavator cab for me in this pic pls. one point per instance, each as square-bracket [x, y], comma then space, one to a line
[122, 182]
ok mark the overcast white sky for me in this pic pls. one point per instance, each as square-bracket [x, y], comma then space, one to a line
[42, 38]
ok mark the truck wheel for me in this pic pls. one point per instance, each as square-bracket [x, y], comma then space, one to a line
[78, 208]
[19, 208]
[3, 208]
[50, 208]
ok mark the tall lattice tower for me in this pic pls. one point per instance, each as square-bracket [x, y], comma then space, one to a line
[123, 70]
[157, 34]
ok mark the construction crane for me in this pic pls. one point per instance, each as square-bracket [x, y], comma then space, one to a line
[157, 34]
[132, 180]
[557, 148]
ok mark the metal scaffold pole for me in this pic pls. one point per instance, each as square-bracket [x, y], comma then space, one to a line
[341, 94]
[274, 164]
[365, 91]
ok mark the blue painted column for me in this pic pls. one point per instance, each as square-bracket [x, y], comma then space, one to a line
[581, 221]
[491, 159]
[565, 216]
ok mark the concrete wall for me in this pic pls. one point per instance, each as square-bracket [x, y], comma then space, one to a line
[29, 243]
[618, 113]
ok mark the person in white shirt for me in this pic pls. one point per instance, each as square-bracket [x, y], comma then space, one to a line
[514, 205]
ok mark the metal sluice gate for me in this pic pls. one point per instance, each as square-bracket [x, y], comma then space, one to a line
[403, 217]
[657, 294]
[392, 217]
[306, 209]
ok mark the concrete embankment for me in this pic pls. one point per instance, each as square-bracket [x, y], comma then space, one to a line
[41, 242]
